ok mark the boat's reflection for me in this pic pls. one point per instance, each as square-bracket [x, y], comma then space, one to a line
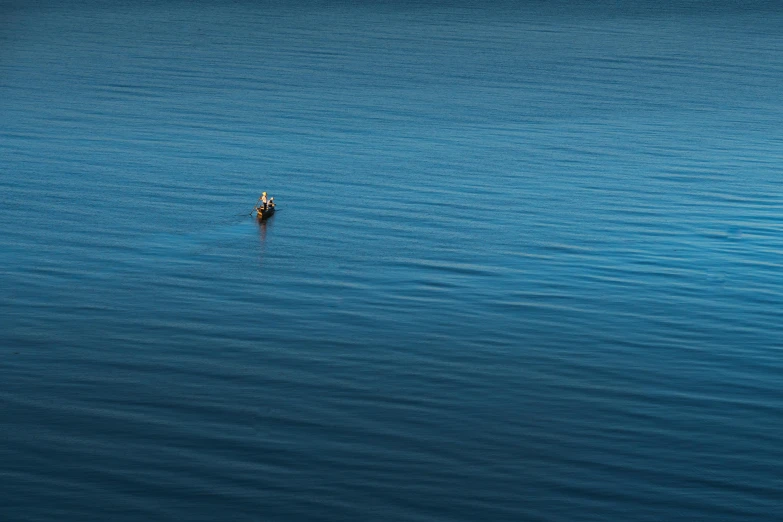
[263, 226]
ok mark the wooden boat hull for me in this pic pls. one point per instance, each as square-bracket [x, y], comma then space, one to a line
[262, 214]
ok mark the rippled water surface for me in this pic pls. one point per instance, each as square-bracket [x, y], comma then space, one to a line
[527, 263]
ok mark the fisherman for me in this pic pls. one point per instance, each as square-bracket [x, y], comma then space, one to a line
[271, 203]
[264, 201]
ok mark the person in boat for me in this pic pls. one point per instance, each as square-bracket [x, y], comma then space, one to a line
[271, 203]
[263, 201]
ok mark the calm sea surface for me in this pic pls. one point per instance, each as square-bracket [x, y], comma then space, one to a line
[527, 264]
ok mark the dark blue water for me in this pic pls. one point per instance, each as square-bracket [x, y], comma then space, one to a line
[526, 265]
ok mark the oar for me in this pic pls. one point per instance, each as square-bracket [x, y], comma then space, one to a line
[255, 209]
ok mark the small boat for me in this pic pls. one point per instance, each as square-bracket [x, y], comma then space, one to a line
[262, 214]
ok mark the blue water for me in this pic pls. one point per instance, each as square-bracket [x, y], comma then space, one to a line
[526, 264]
